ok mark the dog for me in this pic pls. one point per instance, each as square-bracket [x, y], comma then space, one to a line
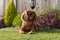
[28, 25]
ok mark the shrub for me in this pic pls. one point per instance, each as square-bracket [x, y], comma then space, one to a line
[59, 14]
[47, 20]
[17, 21]
[48, 11]
[10, 13]
[45, 11]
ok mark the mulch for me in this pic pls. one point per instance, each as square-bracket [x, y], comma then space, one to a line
[10, 28]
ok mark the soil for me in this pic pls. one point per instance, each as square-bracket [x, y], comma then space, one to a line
[9, 28]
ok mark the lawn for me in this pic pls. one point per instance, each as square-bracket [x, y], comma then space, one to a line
[51, 34]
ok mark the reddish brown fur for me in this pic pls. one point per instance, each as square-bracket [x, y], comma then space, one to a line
[28, 18]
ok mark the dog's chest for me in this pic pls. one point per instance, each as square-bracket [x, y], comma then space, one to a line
[28, 25]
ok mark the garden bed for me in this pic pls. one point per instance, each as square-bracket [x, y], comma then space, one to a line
[9, 28]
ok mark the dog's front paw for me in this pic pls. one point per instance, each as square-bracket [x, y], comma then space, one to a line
[21, 32]
[31, 32]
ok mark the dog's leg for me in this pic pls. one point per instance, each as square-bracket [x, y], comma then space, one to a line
[21, 31]
[32, 30]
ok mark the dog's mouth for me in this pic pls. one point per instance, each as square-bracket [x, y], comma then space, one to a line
[31, 18]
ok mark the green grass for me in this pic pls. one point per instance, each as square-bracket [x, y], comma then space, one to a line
[39, 35]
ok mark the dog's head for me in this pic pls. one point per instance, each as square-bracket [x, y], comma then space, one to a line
[29, 15]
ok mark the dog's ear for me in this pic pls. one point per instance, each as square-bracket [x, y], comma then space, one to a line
[24, 16]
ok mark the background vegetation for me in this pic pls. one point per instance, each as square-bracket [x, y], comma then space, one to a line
[17, 21]
[10, 13]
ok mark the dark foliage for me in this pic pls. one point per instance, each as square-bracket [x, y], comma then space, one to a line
[57, 26]
[2, 25]
[47, 20]
[53, 17]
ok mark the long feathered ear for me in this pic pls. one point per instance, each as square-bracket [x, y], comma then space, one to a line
[24, 16]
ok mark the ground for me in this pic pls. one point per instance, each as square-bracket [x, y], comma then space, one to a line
[13, 34]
